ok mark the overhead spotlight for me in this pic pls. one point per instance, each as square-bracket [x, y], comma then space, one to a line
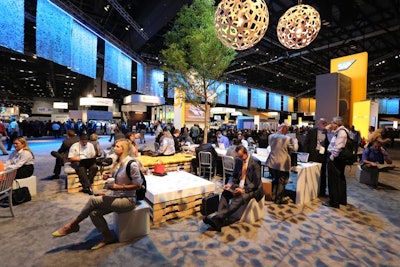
[107, 8]
[127, 27]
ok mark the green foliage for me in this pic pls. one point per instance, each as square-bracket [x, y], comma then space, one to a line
[194, 56]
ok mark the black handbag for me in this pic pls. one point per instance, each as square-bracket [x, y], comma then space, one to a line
[21, 195]
[209, 204]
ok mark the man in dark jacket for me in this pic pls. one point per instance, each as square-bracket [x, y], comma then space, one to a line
[316, 145]
[205, 147]
[61, 154]
[244, 184]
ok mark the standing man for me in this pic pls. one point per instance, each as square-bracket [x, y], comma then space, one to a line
[3, 133]
[278, 161]
[244, 184]
[86, 172]
[142, 130]
[316, 145]
[336, 165]
[13, 132]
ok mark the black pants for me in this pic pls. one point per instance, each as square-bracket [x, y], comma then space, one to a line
[279, 182]
[11, 139]
[59, 162]
[336, 182]
[86, 175]
[24, 171]
[322, 186]
[231, 207]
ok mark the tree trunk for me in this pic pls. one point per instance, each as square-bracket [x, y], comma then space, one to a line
[206, 119]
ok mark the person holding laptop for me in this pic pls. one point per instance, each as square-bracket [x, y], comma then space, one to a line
[83, 159]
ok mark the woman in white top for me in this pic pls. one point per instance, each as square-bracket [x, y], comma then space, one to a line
[21, 159]
[123, 198]
[167, 146]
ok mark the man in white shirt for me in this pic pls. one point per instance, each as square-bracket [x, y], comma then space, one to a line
[336, 165]
[86, 171]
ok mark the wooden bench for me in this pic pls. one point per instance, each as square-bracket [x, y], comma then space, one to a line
[132, 224]
[29, 182]
[73, 185]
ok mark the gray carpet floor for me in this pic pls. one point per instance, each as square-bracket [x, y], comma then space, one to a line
[366, 232]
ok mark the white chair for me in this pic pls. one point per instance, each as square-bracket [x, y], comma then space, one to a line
[228, 164]
[6, 186]
[206, 164]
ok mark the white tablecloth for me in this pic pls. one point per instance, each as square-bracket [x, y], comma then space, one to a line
[307, 181]
[176, 185]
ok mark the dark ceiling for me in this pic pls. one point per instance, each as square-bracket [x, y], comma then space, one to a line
[348, 27]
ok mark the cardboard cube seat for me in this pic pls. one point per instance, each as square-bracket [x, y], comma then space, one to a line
[267, 185]
[365, 177]
[29, 182]
[253, 212]
[132, 224]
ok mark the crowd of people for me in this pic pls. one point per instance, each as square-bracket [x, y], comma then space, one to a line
[324, 143]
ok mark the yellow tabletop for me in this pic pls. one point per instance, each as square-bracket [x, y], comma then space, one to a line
[177, 158]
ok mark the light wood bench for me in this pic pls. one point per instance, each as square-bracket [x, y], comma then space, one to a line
[73, 185]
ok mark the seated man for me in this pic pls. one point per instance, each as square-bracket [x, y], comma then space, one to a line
[86, 170]
[244, 184]
[222, 139]
[205, 147]
[372, 157]
[62, 153]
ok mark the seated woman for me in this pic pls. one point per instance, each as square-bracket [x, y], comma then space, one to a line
[135, 148]
[372, 157]
[167, 146]
[21, 159]
[93, 139]
[122, 200]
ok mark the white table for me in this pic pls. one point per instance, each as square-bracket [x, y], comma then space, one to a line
[175, 195]
[306, 178]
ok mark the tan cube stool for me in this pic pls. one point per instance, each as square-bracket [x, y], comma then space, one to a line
[29, 182]
[253, 212]
[134, 223]
[267, 185]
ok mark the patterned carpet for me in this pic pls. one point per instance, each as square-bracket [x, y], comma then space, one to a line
[366, 232]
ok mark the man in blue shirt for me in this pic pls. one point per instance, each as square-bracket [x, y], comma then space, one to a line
[222, 139]
[372, 157]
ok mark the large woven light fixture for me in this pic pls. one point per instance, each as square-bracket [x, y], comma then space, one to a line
[240, 24]
[299, 26]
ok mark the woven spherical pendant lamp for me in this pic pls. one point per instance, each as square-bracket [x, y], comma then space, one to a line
[298, 27]
[240, 24]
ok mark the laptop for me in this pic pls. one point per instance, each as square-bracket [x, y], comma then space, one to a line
[87, 162]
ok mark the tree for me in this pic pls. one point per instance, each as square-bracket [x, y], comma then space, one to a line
[195, 58]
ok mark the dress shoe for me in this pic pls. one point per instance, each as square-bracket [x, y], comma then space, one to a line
[207, 220]
[281, 201]
[214, 223]
[54, 177]
[69, 231]
[88, 191]
[328, 204]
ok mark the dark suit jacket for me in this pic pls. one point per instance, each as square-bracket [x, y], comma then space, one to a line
[207, 148]
[310, 143]
[253, 184]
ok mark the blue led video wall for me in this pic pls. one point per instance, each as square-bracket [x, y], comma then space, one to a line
[389, 106]
[238, 95]
[274, 102]
[57, 35]
[84, 47]
[117, 67]
[221, 93]
[156, 83]
[12, 24]
[286, 104]
[258, 99]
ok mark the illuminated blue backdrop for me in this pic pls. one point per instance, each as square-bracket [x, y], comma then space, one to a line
[117, 67]
[12, 24]
[238, 95]
[258, 99]
[274, 101]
